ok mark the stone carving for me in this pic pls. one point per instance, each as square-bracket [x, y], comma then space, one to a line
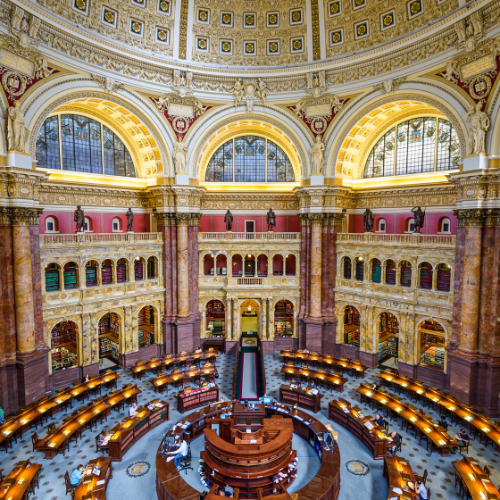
[228, 219]
[419, 218]
[271, 220]
[79, 218]
[469, 31]
[107, 83]
[368, 220]
[130, 220]
[17, 133]
[42, 69]
[317, 156]
[180, 156]
[479, 125]
[387, 87]
[249, 91]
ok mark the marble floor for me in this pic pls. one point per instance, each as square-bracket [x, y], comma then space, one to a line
[123, 486]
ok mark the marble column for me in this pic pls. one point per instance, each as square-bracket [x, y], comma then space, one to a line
[264, 335]
[236, 320]
[61, 279]
[182, 269]
[113, 273]
[315, 311]
[229, 319]
[270, 319]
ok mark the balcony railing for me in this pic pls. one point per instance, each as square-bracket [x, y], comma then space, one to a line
[49, 240]
[270, 236]
[413, 239]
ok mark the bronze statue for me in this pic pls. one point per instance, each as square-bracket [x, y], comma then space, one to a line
[271, 220]
[419, 217]
[368, 220]
[79, 218]
[130, 220]
[228, 219]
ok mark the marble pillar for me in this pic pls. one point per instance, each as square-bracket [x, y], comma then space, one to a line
[315, 311]
[236, 320]
[229, 319]
[264, 334]
[182, 271]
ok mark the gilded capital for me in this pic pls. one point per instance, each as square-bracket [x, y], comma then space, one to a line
[470, 217]
[21, 216]
[165, 219]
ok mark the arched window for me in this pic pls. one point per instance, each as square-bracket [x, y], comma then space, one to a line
[376, 271]
[381, 226]
[51, 225]
[116, 225]
[347, 268]
[410, 225]
[85, 143]
[87, 224]
[415, 146]
[249, 159]
[445, 225]
[360, 268]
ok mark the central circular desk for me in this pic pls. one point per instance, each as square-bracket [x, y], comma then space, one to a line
[250, 472]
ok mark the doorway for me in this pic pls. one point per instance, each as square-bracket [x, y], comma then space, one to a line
[250, 315]
[388, 340]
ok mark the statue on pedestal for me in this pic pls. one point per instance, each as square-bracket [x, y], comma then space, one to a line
[180, 157]
[479, 125]
[79, 218]
[419, 217]
[368, 220]
[271, 219]
[317, 156]
[228, 219]
[130, 220]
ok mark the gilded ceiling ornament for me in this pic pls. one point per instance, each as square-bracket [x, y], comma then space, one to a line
[388, 86]
[249, 91]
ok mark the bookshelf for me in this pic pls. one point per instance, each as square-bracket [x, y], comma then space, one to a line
[108, 348]
[390, 273]
[360, 270]
[426, 276]
[138, 270]
[351, 326]
[347, 268]
[51, 278]
[405, 274]
[63, 333]
[283, 318]
[376, 273]
[146, 325]
[443, 278]
[63, 357]
[70, 276]
[151, 268]
[91, 273]
[106, 275]
[388, 328]
[216, 318]
[432, 344]
[121, 271]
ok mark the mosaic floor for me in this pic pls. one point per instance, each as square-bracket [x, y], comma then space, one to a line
[124, 486]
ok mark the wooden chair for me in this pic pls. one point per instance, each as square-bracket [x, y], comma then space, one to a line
[422, 478]
[51, 427]
[465, 448]
[69, 487]
[100, 448]
[34, 440]
[487, 470]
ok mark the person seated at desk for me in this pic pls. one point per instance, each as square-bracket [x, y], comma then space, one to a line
[443, 423]
[180, 452]
[103, 438]
[462, 439]
[207, 364]
[76, 476]
[133, 410]
[421, 491]
[265, 399]
[396, 439]
[379, 421]
[306, 351]
[85, 379]
[375, 386]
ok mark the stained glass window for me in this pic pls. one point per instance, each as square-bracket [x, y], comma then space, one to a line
[249, 158]
[47, 144]
[84, 145]
[419, 145]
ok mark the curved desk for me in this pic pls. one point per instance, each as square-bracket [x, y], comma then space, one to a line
[324, 486]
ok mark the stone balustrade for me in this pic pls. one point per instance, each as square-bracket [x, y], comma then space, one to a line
[85, 239]
[230, 236]
[411, 240]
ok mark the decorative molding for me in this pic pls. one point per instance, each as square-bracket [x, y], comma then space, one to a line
[315, 28]
[254, 201]
[183, 29]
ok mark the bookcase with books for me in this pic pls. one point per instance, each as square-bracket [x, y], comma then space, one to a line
[283, 318]
[91, 273]
[63, 357]
[432, 343]
[108, 348]
[426, 276]
[138, 270]
[146, 326]
[106, 273]
[51, 278]
[70, 276]
[121, 271]
[388, 328]
[63, 333]
[351, 326]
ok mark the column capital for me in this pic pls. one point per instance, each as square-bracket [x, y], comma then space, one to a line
[20, 216]
[477, 217]
[165, 218]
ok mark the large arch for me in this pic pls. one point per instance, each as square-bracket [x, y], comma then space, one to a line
[70, 93]
[440, 102]
[266, 121]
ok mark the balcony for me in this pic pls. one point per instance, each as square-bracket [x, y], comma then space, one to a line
[409, 240]
[85, 239]
[249, 282]
[257, 237]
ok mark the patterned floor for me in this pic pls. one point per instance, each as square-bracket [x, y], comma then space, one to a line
[124, 486]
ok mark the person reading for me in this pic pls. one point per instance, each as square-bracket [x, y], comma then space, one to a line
[462, 439]
[133, 410]
[103, 438]
[421, 491]
[76, 476]
[379, 420]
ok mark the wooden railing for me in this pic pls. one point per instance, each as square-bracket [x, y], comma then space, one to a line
[47, 240]
[229, 235]
[413, 239]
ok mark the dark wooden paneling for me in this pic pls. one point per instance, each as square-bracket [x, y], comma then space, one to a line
[31, 377]
[143, 354]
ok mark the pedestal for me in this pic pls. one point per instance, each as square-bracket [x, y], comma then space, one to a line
[184, 336]
[31, 378]
[475, 162]
[182, 179]
[317, 180]
[19, 160]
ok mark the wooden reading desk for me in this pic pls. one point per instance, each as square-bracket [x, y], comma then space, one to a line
[301, 398]
[171, 360]
[93, 487]
[476, 481]
[399, 475]
[53, 443]
[187, 401]
[373, 436]
[18, 482]
[130, 430]
[326, 360]
[436, 434]
[473, 420]
[180, 376]
[19, 424]
[320, 375]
